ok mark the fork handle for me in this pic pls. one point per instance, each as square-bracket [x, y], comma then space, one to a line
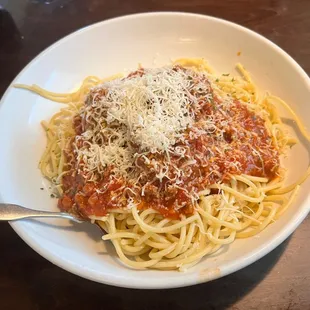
[13, 212]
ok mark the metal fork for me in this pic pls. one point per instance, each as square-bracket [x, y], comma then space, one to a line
[13, 212]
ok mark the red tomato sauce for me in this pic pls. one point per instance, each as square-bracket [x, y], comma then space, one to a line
[247, 148]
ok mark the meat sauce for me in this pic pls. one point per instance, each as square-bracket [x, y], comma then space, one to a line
[247, 148]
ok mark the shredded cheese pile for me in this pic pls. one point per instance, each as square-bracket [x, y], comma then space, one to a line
[145, 112]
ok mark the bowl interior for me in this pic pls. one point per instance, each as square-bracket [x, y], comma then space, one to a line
[116, 46]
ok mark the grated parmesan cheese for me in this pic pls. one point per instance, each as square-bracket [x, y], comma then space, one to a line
[146, 112]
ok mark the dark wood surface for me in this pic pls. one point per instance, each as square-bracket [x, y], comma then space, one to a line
[281, 280]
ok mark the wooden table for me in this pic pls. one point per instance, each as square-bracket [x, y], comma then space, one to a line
[281, 280]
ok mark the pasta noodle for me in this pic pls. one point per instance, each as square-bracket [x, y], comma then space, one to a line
[239, 207]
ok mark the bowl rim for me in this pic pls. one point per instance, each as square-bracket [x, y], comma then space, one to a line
[230, 267]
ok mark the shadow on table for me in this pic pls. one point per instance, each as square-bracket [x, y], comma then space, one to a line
[54, 288]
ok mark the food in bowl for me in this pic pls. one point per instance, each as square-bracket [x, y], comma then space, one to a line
[172, 162]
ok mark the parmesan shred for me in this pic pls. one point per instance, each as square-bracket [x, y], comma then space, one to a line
[164, 135]
[147, 112]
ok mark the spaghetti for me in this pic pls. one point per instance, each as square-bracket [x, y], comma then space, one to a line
[171, 162]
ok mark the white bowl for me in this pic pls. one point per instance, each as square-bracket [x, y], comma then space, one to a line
[110, 47]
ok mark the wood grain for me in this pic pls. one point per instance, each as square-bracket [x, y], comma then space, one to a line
[281, 280]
